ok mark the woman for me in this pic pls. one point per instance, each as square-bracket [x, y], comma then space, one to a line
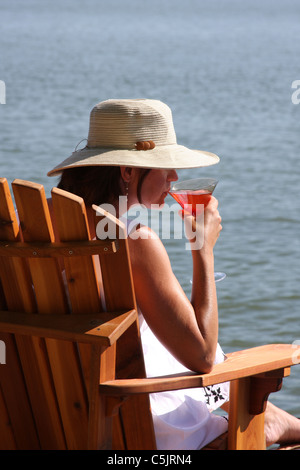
[132, 151]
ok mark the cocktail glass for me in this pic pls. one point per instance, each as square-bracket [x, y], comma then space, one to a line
[190, 193]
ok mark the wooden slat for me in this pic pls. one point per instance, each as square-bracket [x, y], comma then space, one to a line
[17, 288]
[2, 297]
[102, 328]
[51, 297]
[36, 226]
[246, 431]
[139, 433]
[7, 440]
[83, 288]
[238, 365]
[17, 420]
[98, 363]
[56, 250]
[253, 361]
[100, 425]
[80, 272]
[116, 270]
[118, 438]
[18, 292]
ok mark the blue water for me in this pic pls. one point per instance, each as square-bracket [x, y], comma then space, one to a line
[226, 70]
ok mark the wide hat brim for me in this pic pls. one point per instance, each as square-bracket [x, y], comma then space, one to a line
[164, 157]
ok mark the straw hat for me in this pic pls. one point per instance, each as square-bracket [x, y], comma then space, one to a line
[134, 133]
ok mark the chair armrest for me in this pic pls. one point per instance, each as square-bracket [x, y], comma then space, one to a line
[102, 328]
[240, 364]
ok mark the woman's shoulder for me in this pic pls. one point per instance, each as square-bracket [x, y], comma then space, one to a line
[142, 232]
[145, 246]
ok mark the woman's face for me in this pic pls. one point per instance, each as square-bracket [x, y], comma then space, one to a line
[155, 185]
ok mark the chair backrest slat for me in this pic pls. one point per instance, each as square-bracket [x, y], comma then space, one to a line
[116, 270]
[26, 384]
[70, 216]
[51, 297]
[71, 220]
[36, 226]
[18, 289]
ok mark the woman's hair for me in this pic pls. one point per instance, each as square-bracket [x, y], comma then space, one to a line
[97, 184]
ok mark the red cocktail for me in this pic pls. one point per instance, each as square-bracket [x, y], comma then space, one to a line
[194, 192]
[191, 199]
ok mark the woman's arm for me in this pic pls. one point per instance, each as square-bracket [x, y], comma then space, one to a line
[188, 329]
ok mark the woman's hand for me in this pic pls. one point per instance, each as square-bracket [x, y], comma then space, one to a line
[203, 230]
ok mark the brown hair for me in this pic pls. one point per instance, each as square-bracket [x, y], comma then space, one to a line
[97, 184]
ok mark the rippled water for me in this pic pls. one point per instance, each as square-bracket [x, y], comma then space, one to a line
[226, 70]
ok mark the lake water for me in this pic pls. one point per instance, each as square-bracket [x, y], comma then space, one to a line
[226, 69]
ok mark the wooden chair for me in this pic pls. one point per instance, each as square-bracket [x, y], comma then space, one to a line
[73, 375]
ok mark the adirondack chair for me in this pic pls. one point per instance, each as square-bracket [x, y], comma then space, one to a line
[73, 375]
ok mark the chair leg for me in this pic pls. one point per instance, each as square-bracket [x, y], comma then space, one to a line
[248, 398]
[245, 431]
[100, 423]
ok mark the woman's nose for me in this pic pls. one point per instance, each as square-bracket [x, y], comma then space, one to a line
[172, 175]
